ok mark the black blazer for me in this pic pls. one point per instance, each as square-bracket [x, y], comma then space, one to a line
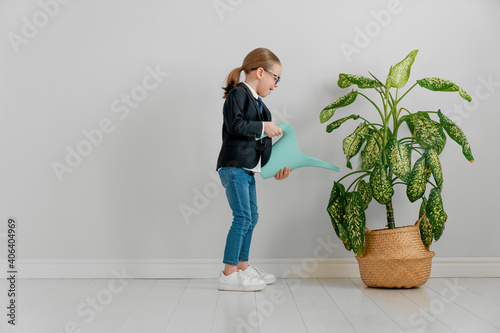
[242, 124]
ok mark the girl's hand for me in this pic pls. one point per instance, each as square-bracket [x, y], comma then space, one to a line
[271, 129]
[282, 174]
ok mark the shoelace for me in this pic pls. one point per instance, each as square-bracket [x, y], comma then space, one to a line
[243, 278]
[260, 271]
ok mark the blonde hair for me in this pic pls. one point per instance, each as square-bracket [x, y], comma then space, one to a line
[260, 57]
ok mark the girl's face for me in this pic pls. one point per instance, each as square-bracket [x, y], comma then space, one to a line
[267, 81]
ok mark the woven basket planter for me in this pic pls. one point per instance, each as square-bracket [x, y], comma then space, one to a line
[395, 258]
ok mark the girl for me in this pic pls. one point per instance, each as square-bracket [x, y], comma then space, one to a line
[245, 119]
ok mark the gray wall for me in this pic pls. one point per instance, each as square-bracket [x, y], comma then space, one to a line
[153, 157]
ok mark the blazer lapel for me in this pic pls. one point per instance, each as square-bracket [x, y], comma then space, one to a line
[256, 105]
[267, 114]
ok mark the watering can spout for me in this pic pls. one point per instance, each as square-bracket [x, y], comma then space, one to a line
[286, 153]
[307, 160]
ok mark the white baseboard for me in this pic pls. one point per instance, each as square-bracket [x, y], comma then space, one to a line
[210, 268]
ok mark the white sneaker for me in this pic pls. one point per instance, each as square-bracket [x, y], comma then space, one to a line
[259, 273]
[239, 282]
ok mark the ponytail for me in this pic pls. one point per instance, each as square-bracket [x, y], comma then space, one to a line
[232, 80]
[260, 57]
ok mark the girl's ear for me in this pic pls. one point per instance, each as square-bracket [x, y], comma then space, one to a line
[259, 72]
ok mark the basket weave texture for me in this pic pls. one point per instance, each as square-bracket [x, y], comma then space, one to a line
[395, 258]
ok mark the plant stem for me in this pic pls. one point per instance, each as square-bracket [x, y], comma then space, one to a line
[385, 132]
[407, 91]
[351, 173]
[406, 138]
[356, 181]
[375, 105]
[370, 123]
[402, 119]
[406, 110]
[390, 215]
[395, 114]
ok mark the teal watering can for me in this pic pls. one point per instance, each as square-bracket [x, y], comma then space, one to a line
[286, 153]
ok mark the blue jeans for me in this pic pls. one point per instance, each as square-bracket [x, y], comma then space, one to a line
[242, 197]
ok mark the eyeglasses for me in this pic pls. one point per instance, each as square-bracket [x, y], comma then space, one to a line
[276, 77]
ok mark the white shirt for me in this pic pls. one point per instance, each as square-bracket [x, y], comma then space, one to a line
[254, 94]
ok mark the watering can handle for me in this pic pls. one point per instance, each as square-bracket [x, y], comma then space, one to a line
[280, 125]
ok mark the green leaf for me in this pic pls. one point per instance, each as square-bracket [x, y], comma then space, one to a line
[418, 181]
[437, 84]
[370, 155]
[425, 226]
[428, 172]
[365, 190]
[352, 144]
[346, 80]
[456, 134]
[336, 210]
[337, 200]
[427, 132]
[336, 124]
[373, 76]
[340, 231]
[422, 207]
[431, 157]
[409, 121]
[388, 84]
[398, 157]
[401, 71]
[340, 102]
[381, 186]
[435, 212]
[356, 221]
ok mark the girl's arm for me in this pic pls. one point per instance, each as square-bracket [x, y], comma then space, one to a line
[234, 118]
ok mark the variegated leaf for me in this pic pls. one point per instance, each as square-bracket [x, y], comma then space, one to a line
[456, 134]
[432, 159]
[428, 172]
[352, 144]
[428, 132]
[417, 183]
[422, 207]
[340, 102]
[337, 200]
[370, 155]
[356, 222]
[340, 231]
[346, 80]
[365, 190]
[398, 157]
[382, 190]
[437, 84]
[425, 226]
[408, 119]
[435, 212]
[347, 196]
[336, 124]
[401, 71]
[336, 210]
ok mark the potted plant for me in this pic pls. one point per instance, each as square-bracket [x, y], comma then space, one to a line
[392, 257]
